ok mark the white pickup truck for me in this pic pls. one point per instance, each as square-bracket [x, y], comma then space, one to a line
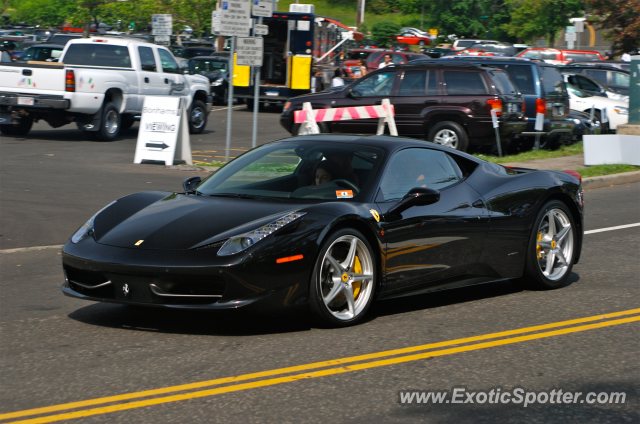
[100, 84]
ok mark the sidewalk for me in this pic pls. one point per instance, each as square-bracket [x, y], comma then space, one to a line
[558, 164]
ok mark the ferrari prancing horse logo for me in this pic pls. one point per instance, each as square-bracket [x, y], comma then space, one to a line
[125, 289]
[375, 214]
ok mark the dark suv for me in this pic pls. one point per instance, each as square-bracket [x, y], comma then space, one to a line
[544, 91]
[446, 103]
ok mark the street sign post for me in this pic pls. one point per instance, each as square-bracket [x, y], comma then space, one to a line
[260, 29]
[215, 21]
[250, 51]
[162, 40]
[162, 25]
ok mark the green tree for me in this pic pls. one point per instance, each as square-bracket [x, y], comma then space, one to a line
[195, 13]
[46, 13]
[382, 32]
[541, 18]
[460, 17]
[620, 20]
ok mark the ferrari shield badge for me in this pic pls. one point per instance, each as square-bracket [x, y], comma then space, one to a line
[139, 242]
[375, 214]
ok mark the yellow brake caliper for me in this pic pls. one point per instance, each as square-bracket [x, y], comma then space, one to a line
[357, 285]
[538, 248]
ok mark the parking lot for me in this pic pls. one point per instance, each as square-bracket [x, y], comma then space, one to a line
[152, 365]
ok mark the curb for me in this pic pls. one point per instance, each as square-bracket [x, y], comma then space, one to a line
[25, 249]
[609, 180]
[192, 168]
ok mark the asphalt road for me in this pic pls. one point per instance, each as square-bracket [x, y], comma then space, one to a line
[56, 350]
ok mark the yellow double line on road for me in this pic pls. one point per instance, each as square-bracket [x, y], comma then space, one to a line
[301, 372]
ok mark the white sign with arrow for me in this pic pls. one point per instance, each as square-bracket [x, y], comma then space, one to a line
[164, 131]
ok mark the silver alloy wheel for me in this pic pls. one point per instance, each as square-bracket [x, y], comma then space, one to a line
[447, 138]
[554, 244]
[111, 122]
[346, 277]
[197, 118]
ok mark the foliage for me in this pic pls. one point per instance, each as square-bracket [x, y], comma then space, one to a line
[45, 13]
[383, 31]
[539, 18]
[621, 21]
[460, 17]
[594, 171]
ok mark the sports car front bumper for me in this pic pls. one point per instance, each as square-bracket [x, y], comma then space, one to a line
[187, 279]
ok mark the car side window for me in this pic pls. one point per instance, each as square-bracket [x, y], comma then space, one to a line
[169, 65]
[376, 85]
[620, 79]
[464, 83]
[597, 74]
[411, 168]
[147, 59]
[587, 84]
[397, 59]
[552, 82]
[418, 83]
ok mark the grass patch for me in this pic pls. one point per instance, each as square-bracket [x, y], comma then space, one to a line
[573, 149]
[216, 164]
[598, 170]
[271, 167]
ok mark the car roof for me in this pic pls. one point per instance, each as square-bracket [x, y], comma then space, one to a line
[214, 58]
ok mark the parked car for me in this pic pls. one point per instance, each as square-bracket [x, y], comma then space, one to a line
[100, 85]
[216, 69]
[62, 39]
[189, 52]
[584, 125]
[560, 57]
[543, 89]
[42, 53]
[5, 56]
[413, 38]
[19, 50]
[364, 44]
[498, 49]
[439, 50]
[376, 57]
[617, 111]
[615, 75]
[522, 47]
[462, 43]
[446, 103]
[591, 85]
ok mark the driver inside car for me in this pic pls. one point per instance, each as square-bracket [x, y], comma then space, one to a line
[327, 171]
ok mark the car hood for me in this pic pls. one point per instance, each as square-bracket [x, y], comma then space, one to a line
[171, 221]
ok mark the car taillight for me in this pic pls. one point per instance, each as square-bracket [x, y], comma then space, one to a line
[70, 81]
[495, 104]
[524, 106]
[575, 174]
[541, 106]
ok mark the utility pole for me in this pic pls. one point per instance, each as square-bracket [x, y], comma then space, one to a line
[220, 38]
[422, 19]
[360, 12]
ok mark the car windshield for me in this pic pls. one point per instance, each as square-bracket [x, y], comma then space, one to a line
[313, 170]
[576, 91]
[465, 43]
[203, 67]
[358, 55]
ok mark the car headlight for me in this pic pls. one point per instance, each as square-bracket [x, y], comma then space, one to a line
[217, 82]
[88, 226]
[241, 242]
[621, 110]
[577, 121]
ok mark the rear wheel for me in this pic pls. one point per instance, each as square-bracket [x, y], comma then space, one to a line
[344, 279]
[450, 134]
[197, 117]
[21, 128]
[551, 247]
[109, 124]
[421, 43]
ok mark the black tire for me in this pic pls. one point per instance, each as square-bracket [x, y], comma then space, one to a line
[126, 122]
[462, 139]
[110, 124]
[364, 292]
[21, 128]
[533, 276]
[197, 117]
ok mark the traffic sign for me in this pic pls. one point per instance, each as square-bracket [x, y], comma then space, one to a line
[579, 26]
[162, 24]
[215, 21]
[262, 8]
[260, 29]
[163, 40]
[570, 29]
[433, 32]
[250, 50]
[570, 36]
[235, 18]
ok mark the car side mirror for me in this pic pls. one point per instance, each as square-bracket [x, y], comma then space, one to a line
[419, 196]
[191, 183]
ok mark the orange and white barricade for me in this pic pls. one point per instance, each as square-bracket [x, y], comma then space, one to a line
[309, 118]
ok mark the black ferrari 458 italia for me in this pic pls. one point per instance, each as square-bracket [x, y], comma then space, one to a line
[329, 223]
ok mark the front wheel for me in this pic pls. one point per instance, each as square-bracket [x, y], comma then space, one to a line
[551, 248]
[421, 43]
[197, 117]
[344, 279]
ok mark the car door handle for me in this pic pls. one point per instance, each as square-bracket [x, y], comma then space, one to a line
[430, 102]
[166, 80]
[27, 72]
[478, 204]
[146, 79]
